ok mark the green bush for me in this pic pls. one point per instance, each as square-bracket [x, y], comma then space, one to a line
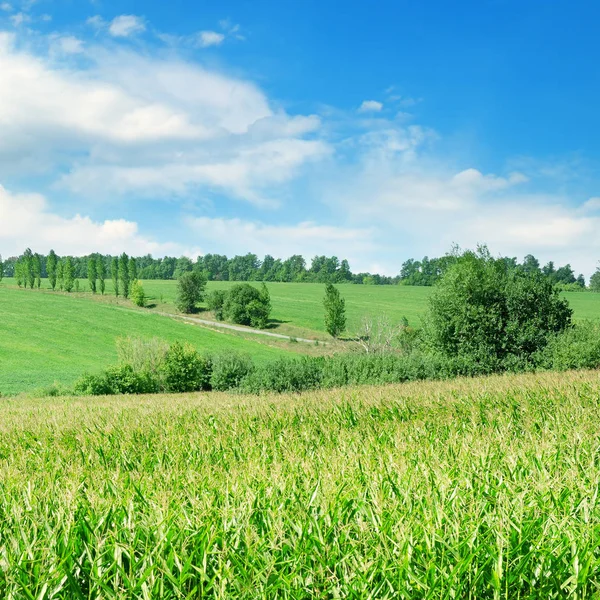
[493, 316]
[215, 302]
[184, 370]
[228, 371]
[246, 305]
[122, 379]
[576, 348]
[285, 375]
[137, 294]
[190, 291]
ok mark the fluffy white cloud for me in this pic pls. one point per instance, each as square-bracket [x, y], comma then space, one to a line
[210, 38]
[237, 236]
[370, 106]
[27, 220]
[189, 126]
[126, 26]
[6, 7]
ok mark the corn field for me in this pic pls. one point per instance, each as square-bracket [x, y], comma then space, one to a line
[482, 488]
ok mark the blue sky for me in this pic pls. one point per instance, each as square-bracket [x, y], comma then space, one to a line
[372, 131]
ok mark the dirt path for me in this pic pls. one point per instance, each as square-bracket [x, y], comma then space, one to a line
[279, 336]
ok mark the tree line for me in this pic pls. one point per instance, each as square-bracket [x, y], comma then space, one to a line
[428, 271]
[214, 267]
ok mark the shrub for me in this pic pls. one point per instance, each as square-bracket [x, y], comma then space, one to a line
[285, 375]
[138, 296]
[121, 379]
[144, 355]
[228, 371]
[335, 311]
[190, 291]
[246, 305]
[184, 370]
[215, 302]
[491, 315]
[576, 348]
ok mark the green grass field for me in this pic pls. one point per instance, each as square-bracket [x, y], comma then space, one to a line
[47, 338]
[482, 488]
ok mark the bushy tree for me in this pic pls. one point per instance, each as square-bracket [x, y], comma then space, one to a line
[124, 274]
[215, 301]
[335, 311]
[92, 273]
[132, 269]
[138, 296]
[68, 274]
[246, 305]
[492, 315]
[595, 280]
[101, 271]
[190, 291]
[114, 271]
[51, 263]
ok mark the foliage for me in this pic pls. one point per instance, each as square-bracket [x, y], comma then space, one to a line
[122, 379]
[124, 275]
[576, 348]
[114, 271]
[68, 274]
[215, 302]
[595, 281]
[335, 311]
[229, 370]
[138, 296]
[101, 272]
[246, 305]
[142, 354]
[37, 270]
[92, 271]
[483, 311]
[184, 370]
[51, 264]
[1, 269]
[190, 291]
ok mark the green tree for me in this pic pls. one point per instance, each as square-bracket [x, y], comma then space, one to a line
[246, 305]
[28, 271]
[335, 311]
[114, 271]
[595, 280]
[190, 291]
[124, 274]
[132, 269]
[1, 269]
[60, 274]
[69, 274]
[138, 296]
[37, 270]
[19, 272]
[51, 263]
[101, 271]
[492, 316]
[92, 272]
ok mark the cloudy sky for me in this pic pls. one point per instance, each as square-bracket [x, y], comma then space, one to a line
[375, 131]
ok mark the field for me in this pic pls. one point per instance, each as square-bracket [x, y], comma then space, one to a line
[53, 337]
[484, 488]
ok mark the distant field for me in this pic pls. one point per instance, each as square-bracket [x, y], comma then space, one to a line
[482, 488]
[53, 337]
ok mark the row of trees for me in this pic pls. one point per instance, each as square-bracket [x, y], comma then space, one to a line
[216, 267]
[429, 271]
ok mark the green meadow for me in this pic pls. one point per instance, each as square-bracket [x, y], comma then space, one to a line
[469, 489]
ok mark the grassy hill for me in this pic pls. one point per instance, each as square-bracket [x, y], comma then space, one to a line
[482, 488]
[49, 337]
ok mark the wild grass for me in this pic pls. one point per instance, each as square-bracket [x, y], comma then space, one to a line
[481, 488]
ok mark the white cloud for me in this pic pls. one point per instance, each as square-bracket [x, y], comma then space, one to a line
[20, 18]
[237, 236]
[370, 106]
[22, 214]
[6, 7]
[126, 26]
[591, 206]
[210, 38]
[97, 22]
[67, 44]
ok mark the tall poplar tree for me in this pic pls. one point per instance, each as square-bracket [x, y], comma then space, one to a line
[60, 274]
[101, 270]
[28, 274]
[92, 272]
[37, 270]
[124, 274]
[51, 268]
[114, 271]
[132, 269]
[69, 274]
